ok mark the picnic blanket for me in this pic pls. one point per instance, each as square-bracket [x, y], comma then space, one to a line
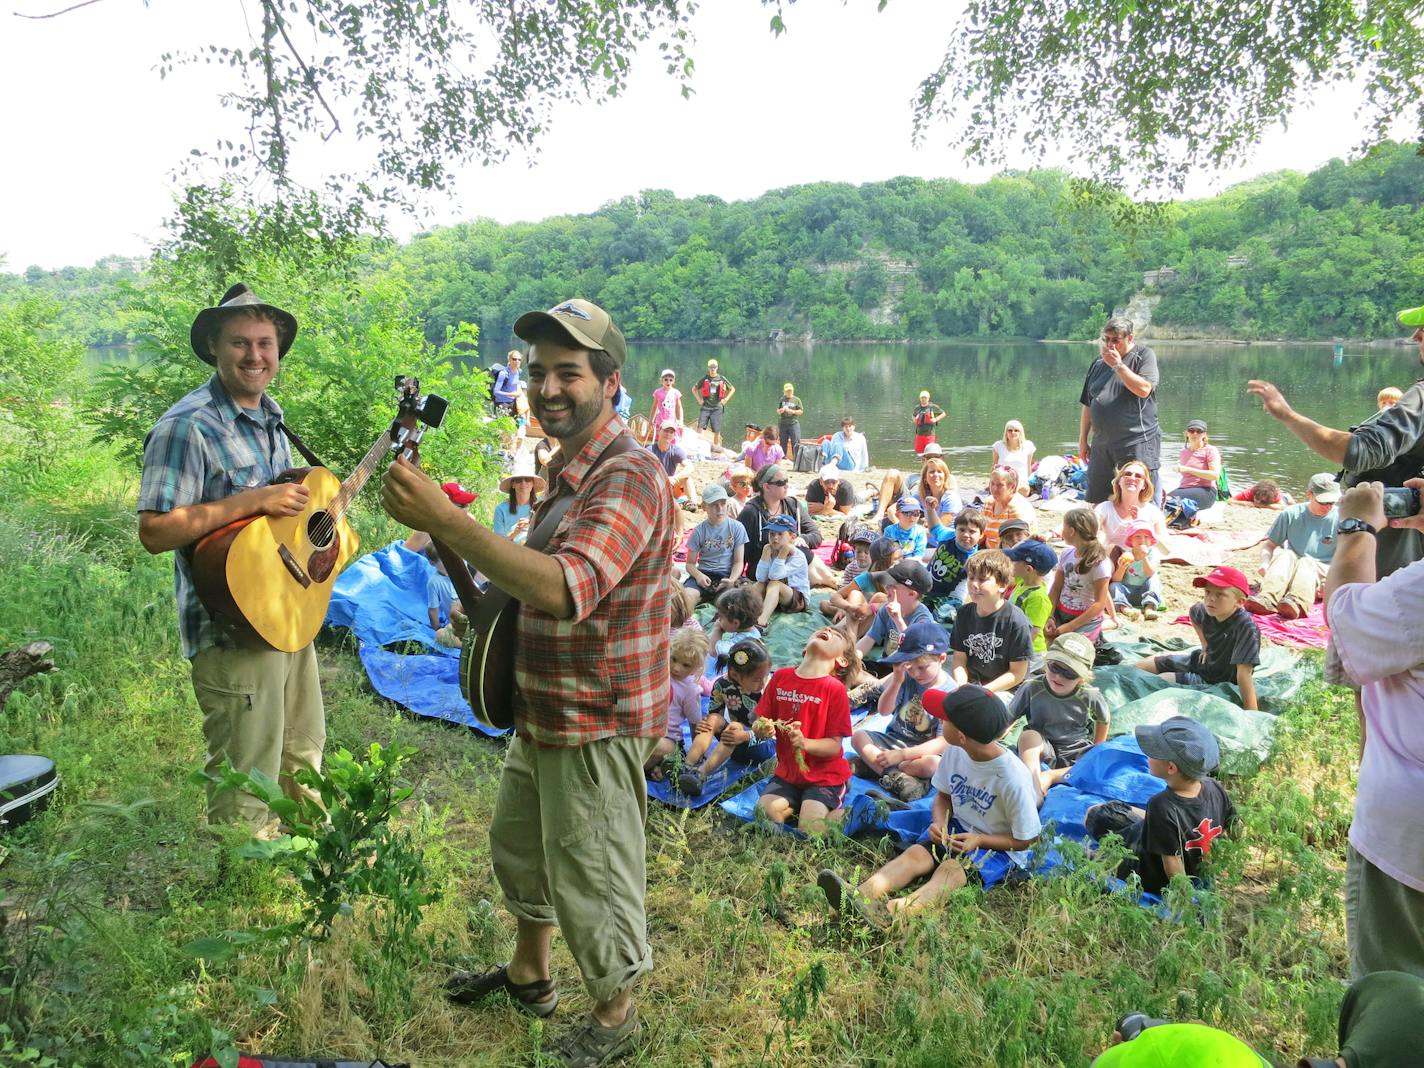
[1310, 631]
[1208, 548]
[426, 684]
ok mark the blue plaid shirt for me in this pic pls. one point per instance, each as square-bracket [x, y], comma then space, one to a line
[206, 448]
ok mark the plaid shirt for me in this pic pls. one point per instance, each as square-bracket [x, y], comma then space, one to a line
[206, 448]
[605, 671]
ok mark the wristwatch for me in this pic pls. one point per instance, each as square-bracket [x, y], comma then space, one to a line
[1354, 526]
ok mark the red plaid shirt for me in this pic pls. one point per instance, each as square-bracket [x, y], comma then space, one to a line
[605, 671]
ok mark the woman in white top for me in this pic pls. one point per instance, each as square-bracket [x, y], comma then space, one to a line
[1131, 500]
[1016, 451]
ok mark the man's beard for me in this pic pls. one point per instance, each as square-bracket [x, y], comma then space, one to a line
[573, 421]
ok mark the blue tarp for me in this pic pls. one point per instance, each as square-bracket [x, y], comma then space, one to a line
[381, 599]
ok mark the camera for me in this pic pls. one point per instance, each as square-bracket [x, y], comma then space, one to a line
[1401, 503]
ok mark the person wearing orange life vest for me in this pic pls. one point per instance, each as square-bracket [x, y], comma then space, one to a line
[713, 393]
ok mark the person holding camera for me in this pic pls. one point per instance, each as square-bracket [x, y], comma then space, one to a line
[1377, 647]
[1388, 447]
[1119, 402]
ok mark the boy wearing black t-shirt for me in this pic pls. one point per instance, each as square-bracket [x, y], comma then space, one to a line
[1175, 834]
[1229, 640]
[992, 639]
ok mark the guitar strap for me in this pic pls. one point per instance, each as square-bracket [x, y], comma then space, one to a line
[307, 455]
[553, 508]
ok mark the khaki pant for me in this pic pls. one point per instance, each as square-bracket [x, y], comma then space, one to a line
[262, 711]
[568, 849]
[1291, 578]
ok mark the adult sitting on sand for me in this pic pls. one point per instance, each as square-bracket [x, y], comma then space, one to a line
[1016, 451]
[1299, 547]
[763, 450]
[830, 494]
[1131, 501]
[1004, 502]
[773, 497]
[1200, 467]
[934, 487]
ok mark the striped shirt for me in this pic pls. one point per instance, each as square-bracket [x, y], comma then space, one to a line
[603, 672]
[206, 448]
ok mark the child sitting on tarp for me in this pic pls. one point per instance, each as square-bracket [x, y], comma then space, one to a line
[855, 604]
[1066, 716]
[992, 640]
[808, 712]
[1228, 639]
[736, 620]
[982, 787]
[725, 733]
[903, 756]
[782, 580]
[687, 660]
[439, 590]
[906, 585]
[948, 561]
[1033, 560]
[1174, 835]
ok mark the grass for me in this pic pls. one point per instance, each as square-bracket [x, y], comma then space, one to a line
[102, 893]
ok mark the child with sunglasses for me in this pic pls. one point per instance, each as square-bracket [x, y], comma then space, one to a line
[1061, 708]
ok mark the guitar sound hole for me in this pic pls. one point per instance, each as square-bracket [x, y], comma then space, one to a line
[320, 529]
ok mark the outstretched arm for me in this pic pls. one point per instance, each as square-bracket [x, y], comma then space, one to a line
[1322, 440]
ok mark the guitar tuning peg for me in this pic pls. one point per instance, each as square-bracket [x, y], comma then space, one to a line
[432, 410]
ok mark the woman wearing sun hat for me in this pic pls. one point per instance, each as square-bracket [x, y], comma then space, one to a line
[523, 486]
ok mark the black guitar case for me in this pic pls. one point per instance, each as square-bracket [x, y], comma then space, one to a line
[26, 785]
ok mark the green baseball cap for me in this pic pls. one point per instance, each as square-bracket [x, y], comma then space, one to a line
[1412, 316]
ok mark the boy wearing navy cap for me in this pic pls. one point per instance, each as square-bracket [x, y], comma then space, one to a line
[1229, 642]
[984, 799]
[906, 753]
[1032, 560]
[905, 585]
[1174, 835]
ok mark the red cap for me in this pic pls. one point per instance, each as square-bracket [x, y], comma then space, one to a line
[1224, 576]
[458, 494]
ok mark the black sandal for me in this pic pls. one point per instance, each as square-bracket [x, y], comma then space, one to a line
[538, 998]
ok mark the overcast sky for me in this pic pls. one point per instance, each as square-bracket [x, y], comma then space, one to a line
[93, 135]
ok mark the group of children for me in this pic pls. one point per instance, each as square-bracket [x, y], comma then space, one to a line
[970, 643]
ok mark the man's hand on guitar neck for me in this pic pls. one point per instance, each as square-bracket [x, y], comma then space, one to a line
[161, 532]
[411, 497]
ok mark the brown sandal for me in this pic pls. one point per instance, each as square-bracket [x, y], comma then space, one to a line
[538, 998]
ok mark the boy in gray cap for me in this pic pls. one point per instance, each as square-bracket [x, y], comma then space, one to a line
[1174, 836]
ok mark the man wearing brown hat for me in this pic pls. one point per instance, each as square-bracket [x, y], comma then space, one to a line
[591, 684]
[209, 461]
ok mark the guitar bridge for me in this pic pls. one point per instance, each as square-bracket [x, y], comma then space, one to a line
[290, 562]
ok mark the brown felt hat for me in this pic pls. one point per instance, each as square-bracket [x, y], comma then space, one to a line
[239, 296]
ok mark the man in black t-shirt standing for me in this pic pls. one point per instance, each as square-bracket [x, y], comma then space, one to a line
[788, 420]
[1119, 400]
[713, 393]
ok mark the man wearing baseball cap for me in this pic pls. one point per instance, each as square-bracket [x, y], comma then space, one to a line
[1299, 547]
[1387, 447]
[788, 420]
[586, 714]
[830, 493]
[1228, 639]
[713, 394]
[984, 799]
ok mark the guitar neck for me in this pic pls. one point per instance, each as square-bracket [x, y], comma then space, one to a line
[459, 573]
[358, 478]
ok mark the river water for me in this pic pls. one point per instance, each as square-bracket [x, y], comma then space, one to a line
[983, 385]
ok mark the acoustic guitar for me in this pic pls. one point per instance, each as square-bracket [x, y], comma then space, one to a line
[268, 579]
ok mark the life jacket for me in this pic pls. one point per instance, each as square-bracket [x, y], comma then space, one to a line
[705, 389]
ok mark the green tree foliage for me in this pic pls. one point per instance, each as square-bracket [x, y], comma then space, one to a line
[37, 367]
[1151, 89]
[335, 385]
[87, 299]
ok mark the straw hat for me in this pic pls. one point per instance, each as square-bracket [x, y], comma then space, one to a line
[523, 468]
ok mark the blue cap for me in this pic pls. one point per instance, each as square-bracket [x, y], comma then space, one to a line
[920, 639]
[1035, 553]
[909, 504]
[782, 521]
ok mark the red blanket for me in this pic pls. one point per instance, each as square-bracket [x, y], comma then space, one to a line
[1308, 632]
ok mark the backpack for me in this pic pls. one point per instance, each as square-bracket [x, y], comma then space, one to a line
[1181, 512]
[808, 458]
